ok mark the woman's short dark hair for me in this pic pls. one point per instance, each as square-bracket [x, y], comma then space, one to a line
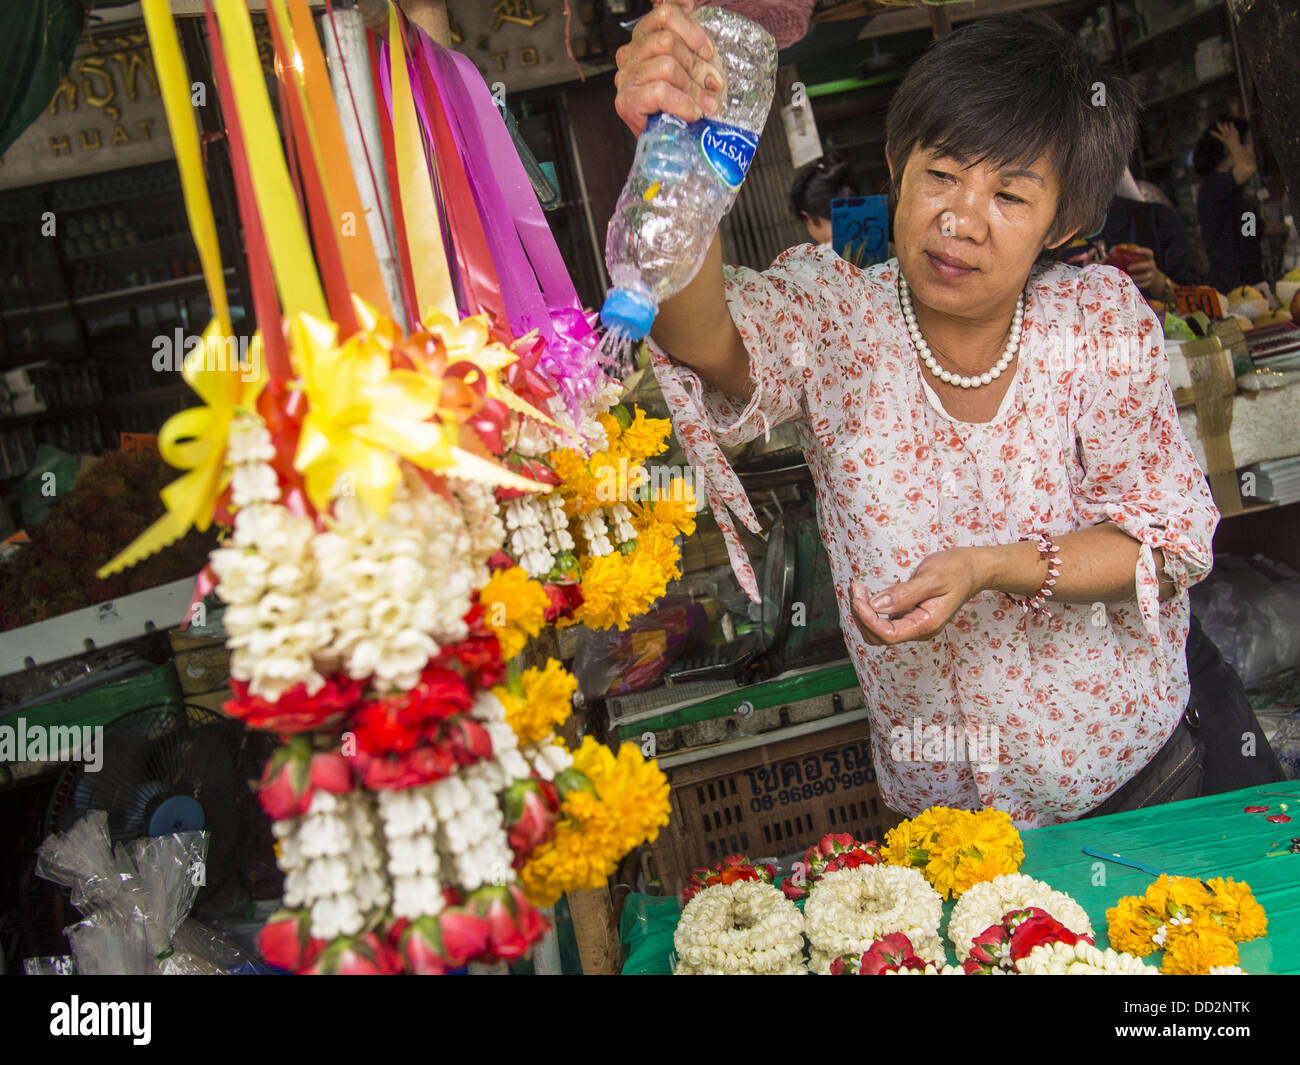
[1209, 151]
[830, 178]
[1005, 89]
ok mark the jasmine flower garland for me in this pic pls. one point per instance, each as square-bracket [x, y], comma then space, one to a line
[1079, 959]
[747, 927]
[985, 904]
[852, 908]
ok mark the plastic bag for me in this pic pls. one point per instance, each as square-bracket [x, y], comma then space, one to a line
[135, 898]
[1250, 608]
[614, 663]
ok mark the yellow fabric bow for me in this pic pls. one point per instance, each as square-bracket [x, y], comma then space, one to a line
[363, 415]
[195, 440]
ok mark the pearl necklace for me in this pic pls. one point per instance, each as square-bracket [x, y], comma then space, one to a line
[946, 376]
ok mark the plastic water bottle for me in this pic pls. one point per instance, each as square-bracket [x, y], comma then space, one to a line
[685, 178]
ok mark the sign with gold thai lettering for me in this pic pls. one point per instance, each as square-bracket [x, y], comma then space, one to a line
[106, 114]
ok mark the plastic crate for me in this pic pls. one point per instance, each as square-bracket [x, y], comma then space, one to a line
[771, 799]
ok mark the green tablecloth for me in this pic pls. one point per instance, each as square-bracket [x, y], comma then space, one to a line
[1207, 837]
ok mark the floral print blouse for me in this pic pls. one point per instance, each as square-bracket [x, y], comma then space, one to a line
[1044, 717]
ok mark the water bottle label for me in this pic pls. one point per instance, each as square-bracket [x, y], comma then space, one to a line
[727, 149]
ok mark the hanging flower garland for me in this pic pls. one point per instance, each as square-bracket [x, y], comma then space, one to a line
[1197, 925]
[956, 849]
[984, 906]
[852, 908]
[743, 927]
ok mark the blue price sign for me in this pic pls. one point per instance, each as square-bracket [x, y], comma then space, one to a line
[860, 229]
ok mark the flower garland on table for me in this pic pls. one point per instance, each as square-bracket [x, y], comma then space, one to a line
[985, 906]
[743, 927]
[1198, 925]
[852, 908]
[956, 849]
[890, 956]
[1080, 958]
[833, 851]
[732, 868]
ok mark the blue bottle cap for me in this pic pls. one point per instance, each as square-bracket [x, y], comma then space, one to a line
[628, 313]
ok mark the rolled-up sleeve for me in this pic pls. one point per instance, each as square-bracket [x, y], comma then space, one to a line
[1139, 470]
[780, 313]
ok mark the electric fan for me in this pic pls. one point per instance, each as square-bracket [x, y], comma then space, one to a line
[171, 769]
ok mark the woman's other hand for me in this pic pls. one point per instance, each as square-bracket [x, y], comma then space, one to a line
[670, 65]
[1147, 276]
[919, 607]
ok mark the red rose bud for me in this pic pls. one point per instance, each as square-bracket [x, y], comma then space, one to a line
[366, 955]
[1038, 930]
[845, 965]
[286, 790]
[889, 952]
[330, 772]
[421, 948]
[988, 950]
[499, 560]
[507, 940]
[287, 943]
[532, 808]
[465, 740]
[465, 935]
[791, 891]
[527, 916]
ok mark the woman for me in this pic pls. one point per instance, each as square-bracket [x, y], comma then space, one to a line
[815, 187]
[1224, 160]
[987, 434]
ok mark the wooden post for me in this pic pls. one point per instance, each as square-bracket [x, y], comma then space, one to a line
[1270, 41]
[594, 929]
[939, 21]
[430, 16]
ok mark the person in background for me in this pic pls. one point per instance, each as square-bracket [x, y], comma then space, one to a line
[1225, 161]
[815, 186]
[1145, 238]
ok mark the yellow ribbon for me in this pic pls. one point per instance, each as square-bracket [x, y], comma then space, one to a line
[195, 440]
[363, 416]
[174, 81]
[296, 277]
[429, 269]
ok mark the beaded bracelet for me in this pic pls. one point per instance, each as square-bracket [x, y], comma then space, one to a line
[1047, 552]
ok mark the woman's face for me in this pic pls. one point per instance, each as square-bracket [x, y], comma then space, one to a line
[819, 229]
[967, 236]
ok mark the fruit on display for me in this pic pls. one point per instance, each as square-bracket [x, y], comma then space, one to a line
[1248, 301]
[113, 501]
[1277, 317]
